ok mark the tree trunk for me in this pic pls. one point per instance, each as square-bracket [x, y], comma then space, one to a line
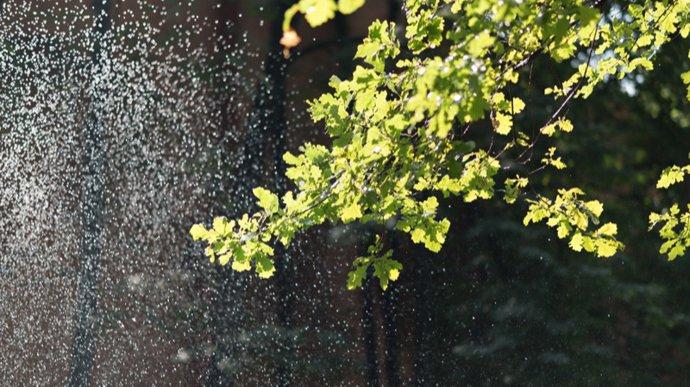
[94, 164]
[266, 126]
[275, 70]
[391, 329]
[369, 332]
[390, 316]
[422, 272]
[227, 310]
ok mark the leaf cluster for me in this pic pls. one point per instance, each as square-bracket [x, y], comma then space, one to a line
[400, 126]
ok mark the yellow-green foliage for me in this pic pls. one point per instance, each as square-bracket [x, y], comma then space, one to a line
[674, 225]
[571, 217]
[396, 126]
[385, 268]
[318, 12]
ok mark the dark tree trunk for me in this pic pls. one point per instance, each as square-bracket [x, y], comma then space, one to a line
[423, 282]
[391, 328]
[94, 164]
[227, 311]
[265, 130]
[394, 8]
[371, 366]
[390, 316]
[276, 73]
[227, 318]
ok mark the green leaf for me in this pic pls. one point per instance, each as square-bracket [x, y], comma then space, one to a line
[356, 276]
[513, 188]
[224, 259]
[268, 201]
[670, 176]
[386, 270]
[594, 207]
[240, 266]
[347, 7]
[221, 226]
[606, 248]
[576, 242]
[609, 229]
[503, 123]
[265, 267]
[317, 12]
[351, 213]
[198, 232]
[480, 43]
